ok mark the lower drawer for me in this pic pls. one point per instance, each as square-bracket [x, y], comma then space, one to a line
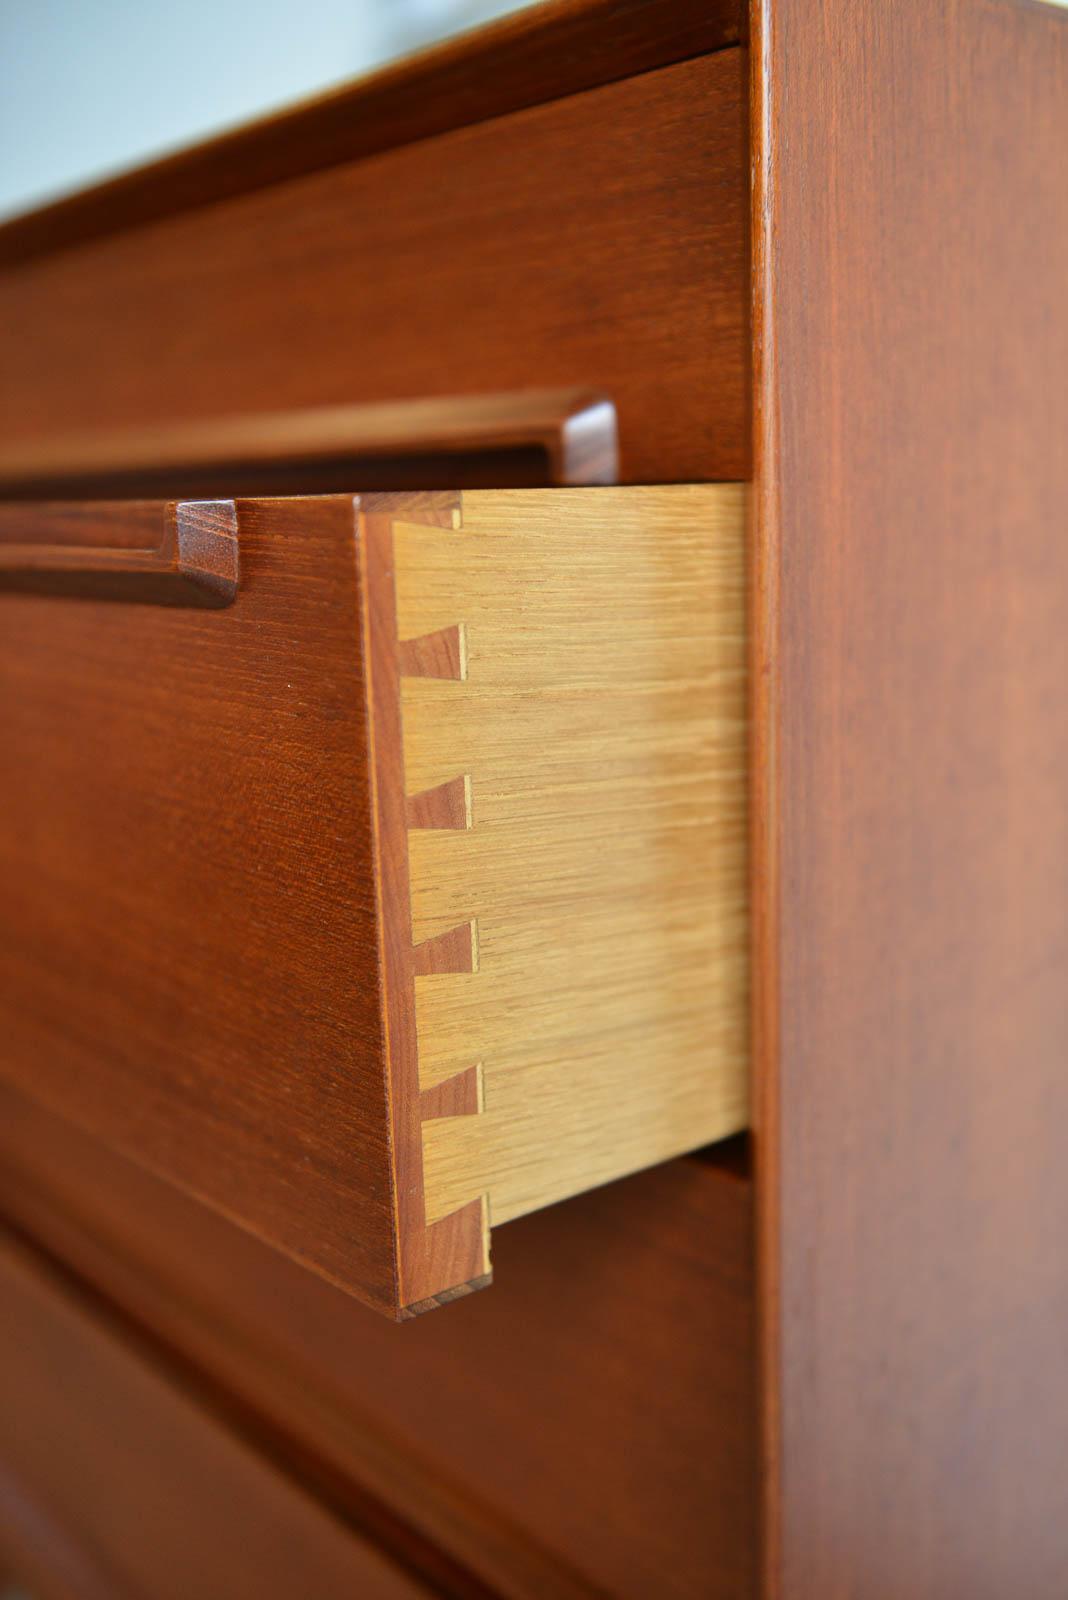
[114, 1485]
[588, 1428]
[388, 879]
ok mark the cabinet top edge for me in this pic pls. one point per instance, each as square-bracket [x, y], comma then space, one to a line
[534, 56]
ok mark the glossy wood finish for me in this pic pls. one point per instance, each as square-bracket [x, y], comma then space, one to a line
[586, 1428]
[225, 949]
[190, 554]
[598, 242]
[593, 1429]
[110, 525]
[188, 880]
[912, 257]
[533, 436]
[542, 54]
[149, 1495]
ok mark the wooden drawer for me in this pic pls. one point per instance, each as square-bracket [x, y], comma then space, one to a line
[115, 1485]
[597, 241]
[588, 1428]
[389, 879]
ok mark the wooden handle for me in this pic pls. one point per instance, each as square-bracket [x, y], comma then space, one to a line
[523, 439]
[194, 564]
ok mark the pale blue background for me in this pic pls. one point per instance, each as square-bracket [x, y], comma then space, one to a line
[88, 87]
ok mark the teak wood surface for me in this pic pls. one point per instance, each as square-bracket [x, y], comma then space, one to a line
[190, 953]
[598, 242]
[543, 53]
[113, 1484]
[588, 1427]
[183, 554]
[911, 962]
[408, 893]
[530, 437]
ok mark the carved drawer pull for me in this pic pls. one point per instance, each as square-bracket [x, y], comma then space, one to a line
[195, 563]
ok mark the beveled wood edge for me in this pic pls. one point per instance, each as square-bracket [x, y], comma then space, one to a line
[764, 805]
[558, 48]
[440, 1261]
[575, 430]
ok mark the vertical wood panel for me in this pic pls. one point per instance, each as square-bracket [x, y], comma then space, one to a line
[912, 336]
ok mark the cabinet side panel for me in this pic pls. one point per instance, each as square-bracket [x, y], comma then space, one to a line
[912, 258]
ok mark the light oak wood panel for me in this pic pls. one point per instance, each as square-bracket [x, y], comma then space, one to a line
[599, 728]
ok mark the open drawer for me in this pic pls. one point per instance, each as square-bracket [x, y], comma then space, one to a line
[374, 868]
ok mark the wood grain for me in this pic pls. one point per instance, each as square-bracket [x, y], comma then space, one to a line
[602, 724]
[188, 930]
[588, 1427]
[598, 242]
[192, 555]
[214, 954]
[455, 950]
[446, 805]
[912, 1001]
[565, 437]
[114, 524]
[542, 54]
[440, 654]
[447, 1253]
[95, 1439]
[581, 659]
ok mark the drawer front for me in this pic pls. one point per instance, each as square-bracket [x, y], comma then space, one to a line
[113, 1483]
[390, 879]
[587, 1428]
[597, 241]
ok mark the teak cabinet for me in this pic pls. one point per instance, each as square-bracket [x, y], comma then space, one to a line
[532, 672]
